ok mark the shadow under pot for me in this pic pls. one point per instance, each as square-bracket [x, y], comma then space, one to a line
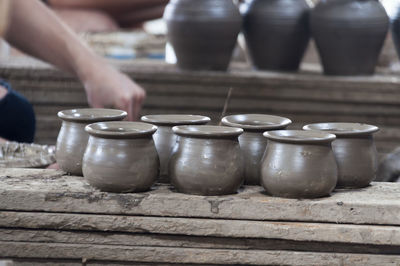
[252, 142]
[207, 160]
[72, 138]
[349, 35]
[277, 33]
[202, 33]
[355, 152]
[299, 164]
[165, 139]
[121, 156]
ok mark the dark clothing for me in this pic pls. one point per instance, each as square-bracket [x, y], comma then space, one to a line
[17, 119]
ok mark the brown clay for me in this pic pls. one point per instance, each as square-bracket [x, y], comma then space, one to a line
[252, 142]
[121, 156]
[165, 139]
[207, 160]
[355, 152]
[72, 139]
[299, 164]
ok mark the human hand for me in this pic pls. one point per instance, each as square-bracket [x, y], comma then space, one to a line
[107, 87]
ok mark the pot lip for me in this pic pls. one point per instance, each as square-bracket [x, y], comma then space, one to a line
[261, 122]
[343, 128]
[91, 115]
[205, 131]
[120, 129]
[300, 136]
[175, 119]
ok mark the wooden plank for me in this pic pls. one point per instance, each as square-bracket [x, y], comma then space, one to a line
[26, 190]
[336, 233]
[188, 255]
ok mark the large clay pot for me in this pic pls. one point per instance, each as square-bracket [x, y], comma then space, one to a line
[354, 150]
[121, 156]
[299, 164]
[277, 33]
[252, 142]
[72, 138]
[207, 160]
[165, 139]
[202, 33]
[349, 35]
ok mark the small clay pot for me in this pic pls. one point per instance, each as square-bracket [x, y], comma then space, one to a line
[354, 150]
[349, 35]
[72, 138]
[252, 141]
[277, 33]
[121, 156]
[165, 139]
[202, 33]
[299, 164]
[207, 160]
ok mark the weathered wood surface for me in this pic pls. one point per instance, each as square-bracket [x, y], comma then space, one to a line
[50, 191]
[189, 255]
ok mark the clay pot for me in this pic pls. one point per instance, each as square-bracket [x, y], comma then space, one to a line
[252, 141]
[395, 19]
[354, 150]
[349, 35]
[121, 156]
[202, 33]
[165, 139]
[207, 160]
[72, 138]
[277, 33]
[299, 164]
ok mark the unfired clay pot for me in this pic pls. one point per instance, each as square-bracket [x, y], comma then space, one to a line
[277, 33]
[354, 150]
[207, 160]
[165, 139]
[252, 142]
[72, 138]
[299, 164]
[202, 33]
[349, 35]
[121, 156]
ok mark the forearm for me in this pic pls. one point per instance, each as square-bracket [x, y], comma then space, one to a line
[36, 30]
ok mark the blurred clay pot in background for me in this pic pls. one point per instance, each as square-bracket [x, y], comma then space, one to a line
[72, 138]
[207, 160]
[165, 139]
[354, 150]
[349, 35]
[202, 33]
[299, 164]
[121, 156]
[252, 142]
[277, 33]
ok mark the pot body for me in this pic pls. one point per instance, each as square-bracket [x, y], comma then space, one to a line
[202, 33]
[299, 170]
[165, 141]
[396, 29]
[71, 144]
[121, 165]
[357, 161]
[349, 35]
[277, 33]
[204, 166]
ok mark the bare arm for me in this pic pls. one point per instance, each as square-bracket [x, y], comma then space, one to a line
[37, 31]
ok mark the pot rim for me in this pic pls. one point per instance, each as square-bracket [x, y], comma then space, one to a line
[120, 129]
[91, 115]
[205, 131]
[300, 136]
[343, 128]
[261, 122]
[175, 119]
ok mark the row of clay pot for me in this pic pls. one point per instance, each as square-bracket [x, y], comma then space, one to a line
[215, 160]
[349, 34]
